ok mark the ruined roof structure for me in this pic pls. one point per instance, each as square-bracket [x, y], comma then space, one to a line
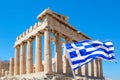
[22, 66]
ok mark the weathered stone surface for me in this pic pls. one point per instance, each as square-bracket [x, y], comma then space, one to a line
[42, 70]
[4, 65]
[38, 65]
[17, 61]
[59, 63]
[47, 52]
[22, 58]
[30, 56]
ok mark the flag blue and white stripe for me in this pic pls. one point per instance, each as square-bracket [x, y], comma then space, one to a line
[81, 53]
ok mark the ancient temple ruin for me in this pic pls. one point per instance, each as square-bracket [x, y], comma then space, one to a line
[4, 67]
[22, 65]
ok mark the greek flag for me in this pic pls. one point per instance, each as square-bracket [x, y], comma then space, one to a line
[81, 53]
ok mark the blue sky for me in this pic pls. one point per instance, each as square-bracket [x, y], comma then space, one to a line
[99, 19]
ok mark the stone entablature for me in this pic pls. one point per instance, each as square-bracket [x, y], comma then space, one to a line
[60, 25]
[30, 33]
[51, 20]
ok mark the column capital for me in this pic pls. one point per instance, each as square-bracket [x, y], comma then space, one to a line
[17, 46]
[47, 28]
[67, 39]
[29, 39]
[22, 43]
[38, 34]
[53, 31]
[58, 34]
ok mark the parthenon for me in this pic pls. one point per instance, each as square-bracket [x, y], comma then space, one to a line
[23, 66]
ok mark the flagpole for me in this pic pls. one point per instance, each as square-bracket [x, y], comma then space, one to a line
[69, 62]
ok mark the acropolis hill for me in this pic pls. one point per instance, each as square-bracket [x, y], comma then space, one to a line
[21, 67]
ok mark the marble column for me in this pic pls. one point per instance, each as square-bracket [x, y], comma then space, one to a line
[64, 61]
[23, 58]
[17, 60]
[6, 73]
[3, 72]
[100, 68]
[59, 64]
[11, 67]
[64, 64]
[83, 70]
[78, 71]
[89, 69]
[96, 68]
[47, 52]
[0, 72]
[29, 56]
[38, 66]
[97, 62]
[86, 70]
[92, 69]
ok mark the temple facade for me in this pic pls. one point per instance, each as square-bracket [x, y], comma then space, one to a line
[53, 27]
